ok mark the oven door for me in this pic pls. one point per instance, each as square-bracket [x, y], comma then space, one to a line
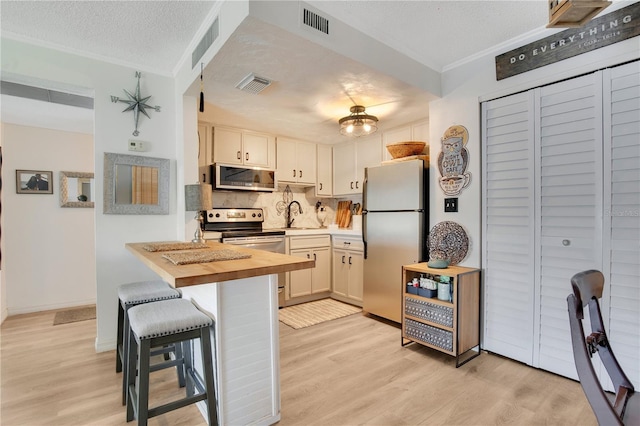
[274, 244]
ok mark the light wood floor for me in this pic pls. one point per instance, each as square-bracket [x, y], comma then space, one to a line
[344, 372]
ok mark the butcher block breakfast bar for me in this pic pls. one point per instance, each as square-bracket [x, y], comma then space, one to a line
[238, 287]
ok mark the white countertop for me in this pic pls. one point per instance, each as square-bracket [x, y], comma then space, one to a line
[211, 235]
[319, 231]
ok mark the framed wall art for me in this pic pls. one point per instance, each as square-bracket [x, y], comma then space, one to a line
[34, 182]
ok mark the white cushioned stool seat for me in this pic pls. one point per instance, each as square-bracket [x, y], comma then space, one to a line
[146, 291]
[166, 317]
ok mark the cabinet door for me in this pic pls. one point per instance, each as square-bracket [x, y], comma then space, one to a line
[340, 272]
[300, 281]
[204, 152]
[324, 172]
[321, 274]
[227, 145]
[256, 149]
[344, 163]
[306, 159]
[286, 160]
[355, 262]
[368, 154]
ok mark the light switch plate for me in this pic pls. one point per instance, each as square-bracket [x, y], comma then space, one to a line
[450, 205]
[135, 145]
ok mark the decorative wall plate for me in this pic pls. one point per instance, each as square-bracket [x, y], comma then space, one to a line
[448, 240]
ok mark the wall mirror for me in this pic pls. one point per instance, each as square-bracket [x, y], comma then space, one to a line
[77, 189]
[135, 184]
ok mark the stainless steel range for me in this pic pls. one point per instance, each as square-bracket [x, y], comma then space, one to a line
[243, 227]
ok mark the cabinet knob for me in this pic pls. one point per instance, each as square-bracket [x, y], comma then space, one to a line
[566, 243]
[238, 155]
[314, 257]
[351, 185]
[357, 185]
[349, 260]
[308, 256]
[342, 259]
[320, 186]
[300, 173]
[246, 156]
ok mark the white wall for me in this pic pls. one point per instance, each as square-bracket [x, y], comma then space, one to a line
[114, 265]
[47, 250]
[465, 86]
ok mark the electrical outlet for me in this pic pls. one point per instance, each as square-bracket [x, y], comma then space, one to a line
[135, 145]
[450, 205]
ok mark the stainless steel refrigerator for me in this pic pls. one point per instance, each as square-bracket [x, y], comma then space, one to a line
[395, 222]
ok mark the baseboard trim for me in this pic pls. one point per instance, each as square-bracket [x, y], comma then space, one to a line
[41, 308]
[105, 345]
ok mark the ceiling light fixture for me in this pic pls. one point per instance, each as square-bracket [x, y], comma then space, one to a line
[358, 123]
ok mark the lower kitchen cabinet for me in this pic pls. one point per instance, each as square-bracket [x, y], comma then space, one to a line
[310, 281]
[348, 264]
[448, 322]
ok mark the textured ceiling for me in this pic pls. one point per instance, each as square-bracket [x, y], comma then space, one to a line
[310, 95]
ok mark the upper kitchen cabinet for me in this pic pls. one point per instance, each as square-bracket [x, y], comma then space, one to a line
[412, 132]
[204, 151]
[324, 181]
[296, 162]
[236, 146]
[349, 161]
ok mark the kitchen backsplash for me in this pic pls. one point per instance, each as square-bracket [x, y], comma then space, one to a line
[274, 216]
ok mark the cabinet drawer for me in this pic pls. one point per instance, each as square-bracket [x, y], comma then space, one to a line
[346, 243]
[428, 334]
[439, 314]
[309, 241]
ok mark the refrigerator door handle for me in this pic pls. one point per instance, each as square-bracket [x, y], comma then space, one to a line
[364, 214]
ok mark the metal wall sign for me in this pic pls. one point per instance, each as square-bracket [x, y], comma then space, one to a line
[611, 28]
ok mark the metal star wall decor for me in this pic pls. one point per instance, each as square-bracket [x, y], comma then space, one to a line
[137, 104]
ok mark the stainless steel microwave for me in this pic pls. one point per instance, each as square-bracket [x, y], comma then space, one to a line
[226, 176]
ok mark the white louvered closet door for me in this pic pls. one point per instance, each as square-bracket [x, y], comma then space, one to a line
[561, 194]
[508, 226]
[621, 307]
[568, 200]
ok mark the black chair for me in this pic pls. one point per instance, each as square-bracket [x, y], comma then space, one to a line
[621, 408]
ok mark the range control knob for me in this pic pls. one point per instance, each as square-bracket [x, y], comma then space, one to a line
[217, 214]
[259, 214]
[210, 214]
[253, 215]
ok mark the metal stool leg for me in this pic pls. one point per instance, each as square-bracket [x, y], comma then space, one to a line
[131, 378]
[207, 364]
[119, 352]
[143, 382]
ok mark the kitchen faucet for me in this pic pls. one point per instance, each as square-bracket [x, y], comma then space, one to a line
[289, 213]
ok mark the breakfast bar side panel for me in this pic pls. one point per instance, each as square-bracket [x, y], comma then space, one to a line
[247, 347]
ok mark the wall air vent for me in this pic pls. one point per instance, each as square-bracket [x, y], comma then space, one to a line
[207, 40]
[253, 84]
[45, 95]
[315, 21]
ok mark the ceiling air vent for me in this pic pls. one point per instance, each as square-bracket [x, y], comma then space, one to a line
[253, 84]
[207, 40]
[315, 21]
[45, 95]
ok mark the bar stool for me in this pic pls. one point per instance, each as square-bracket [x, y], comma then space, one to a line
[167, 322]
[133, 294]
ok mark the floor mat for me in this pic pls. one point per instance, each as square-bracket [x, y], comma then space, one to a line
[312, 313]
[74, 315]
